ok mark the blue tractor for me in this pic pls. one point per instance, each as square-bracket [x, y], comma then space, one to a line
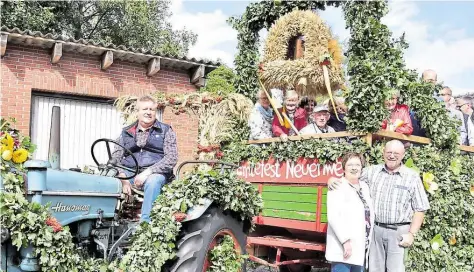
[101, 219]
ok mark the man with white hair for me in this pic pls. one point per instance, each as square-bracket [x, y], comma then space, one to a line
[400, 203]
[154, 146]
[320, 125]
[429, 76]
[465, 106]
[447, 95]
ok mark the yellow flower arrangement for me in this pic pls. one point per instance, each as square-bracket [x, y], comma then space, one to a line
[7, 155]
[20, 155]
[7, 142]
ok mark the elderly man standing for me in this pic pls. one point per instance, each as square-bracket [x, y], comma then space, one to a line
[429, 76]
[400, 203]
[320, 117]
[154, 146]
[465, 106]
[447, 96]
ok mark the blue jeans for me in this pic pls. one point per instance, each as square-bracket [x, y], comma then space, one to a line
[343, 267]
[152, 189]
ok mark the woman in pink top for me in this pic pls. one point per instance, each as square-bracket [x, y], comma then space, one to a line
[399, 120]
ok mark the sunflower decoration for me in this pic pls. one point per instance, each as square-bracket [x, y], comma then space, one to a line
[7, 142]
[20, 155]
[12, 148]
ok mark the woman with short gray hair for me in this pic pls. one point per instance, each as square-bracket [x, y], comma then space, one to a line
[260, 121]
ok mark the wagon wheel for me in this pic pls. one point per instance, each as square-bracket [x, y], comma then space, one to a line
[205, 233]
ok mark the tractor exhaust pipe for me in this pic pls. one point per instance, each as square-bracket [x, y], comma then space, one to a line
[54, 151]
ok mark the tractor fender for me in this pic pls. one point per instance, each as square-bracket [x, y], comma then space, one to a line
[195, 212]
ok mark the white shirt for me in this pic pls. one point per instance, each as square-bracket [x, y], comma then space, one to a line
[314, 129]
[346, 220]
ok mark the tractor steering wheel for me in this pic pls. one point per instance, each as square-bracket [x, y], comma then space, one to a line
[113, 163]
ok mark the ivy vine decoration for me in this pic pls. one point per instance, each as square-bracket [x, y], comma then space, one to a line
[154, 243]
[444, 243]
[224, 257]
[324, 150]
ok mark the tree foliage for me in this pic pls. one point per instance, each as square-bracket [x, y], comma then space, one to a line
[137, 24]
[220, 81]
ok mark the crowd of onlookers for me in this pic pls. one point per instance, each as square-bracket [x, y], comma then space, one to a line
[307, 117]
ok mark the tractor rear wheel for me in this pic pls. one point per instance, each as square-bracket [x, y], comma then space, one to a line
[200, 236]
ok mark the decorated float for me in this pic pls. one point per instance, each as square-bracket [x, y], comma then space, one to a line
[271, 209]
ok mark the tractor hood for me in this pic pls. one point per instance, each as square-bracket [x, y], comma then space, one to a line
[72, 181]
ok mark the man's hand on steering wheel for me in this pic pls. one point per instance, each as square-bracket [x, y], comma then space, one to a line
[112, 163]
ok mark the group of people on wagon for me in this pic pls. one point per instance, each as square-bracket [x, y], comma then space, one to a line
[307, 117]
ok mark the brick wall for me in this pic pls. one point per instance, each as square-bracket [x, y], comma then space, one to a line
[24, 69]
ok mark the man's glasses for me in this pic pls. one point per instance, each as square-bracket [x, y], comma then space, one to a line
[460, 106]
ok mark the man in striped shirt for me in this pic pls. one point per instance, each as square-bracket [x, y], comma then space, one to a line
[400, 202]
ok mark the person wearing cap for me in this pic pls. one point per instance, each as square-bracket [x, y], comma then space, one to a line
[321, 117]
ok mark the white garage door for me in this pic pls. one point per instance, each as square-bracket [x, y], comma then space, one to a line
[82, 122]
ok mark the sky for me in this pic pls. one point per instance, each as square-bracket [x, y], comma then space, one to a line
[440, 34]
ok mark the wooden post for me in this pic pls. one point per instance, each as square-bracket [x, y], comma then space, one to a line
[368, 139]
[57, 52]
[107, 60]
[3, 44]
[153, 67]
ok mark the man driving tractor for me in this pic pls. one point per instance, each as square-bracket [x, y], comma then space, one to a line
[153, 144]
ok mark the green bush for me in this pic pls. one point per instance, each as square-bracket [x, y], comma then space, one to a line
[220, 81]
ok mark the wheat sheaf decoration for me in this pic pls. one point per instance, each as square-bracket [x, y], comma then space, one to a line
[304, 74]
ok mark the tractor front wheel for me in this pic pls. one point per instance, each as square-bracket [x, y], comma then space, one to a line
[200, 236]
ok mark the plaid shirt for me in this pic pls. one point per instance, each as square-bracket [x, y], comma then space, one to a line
[170, 158]
[396, 196]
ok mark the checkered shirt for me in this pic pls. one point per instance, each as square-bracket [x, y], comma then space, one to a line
[396, 196]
